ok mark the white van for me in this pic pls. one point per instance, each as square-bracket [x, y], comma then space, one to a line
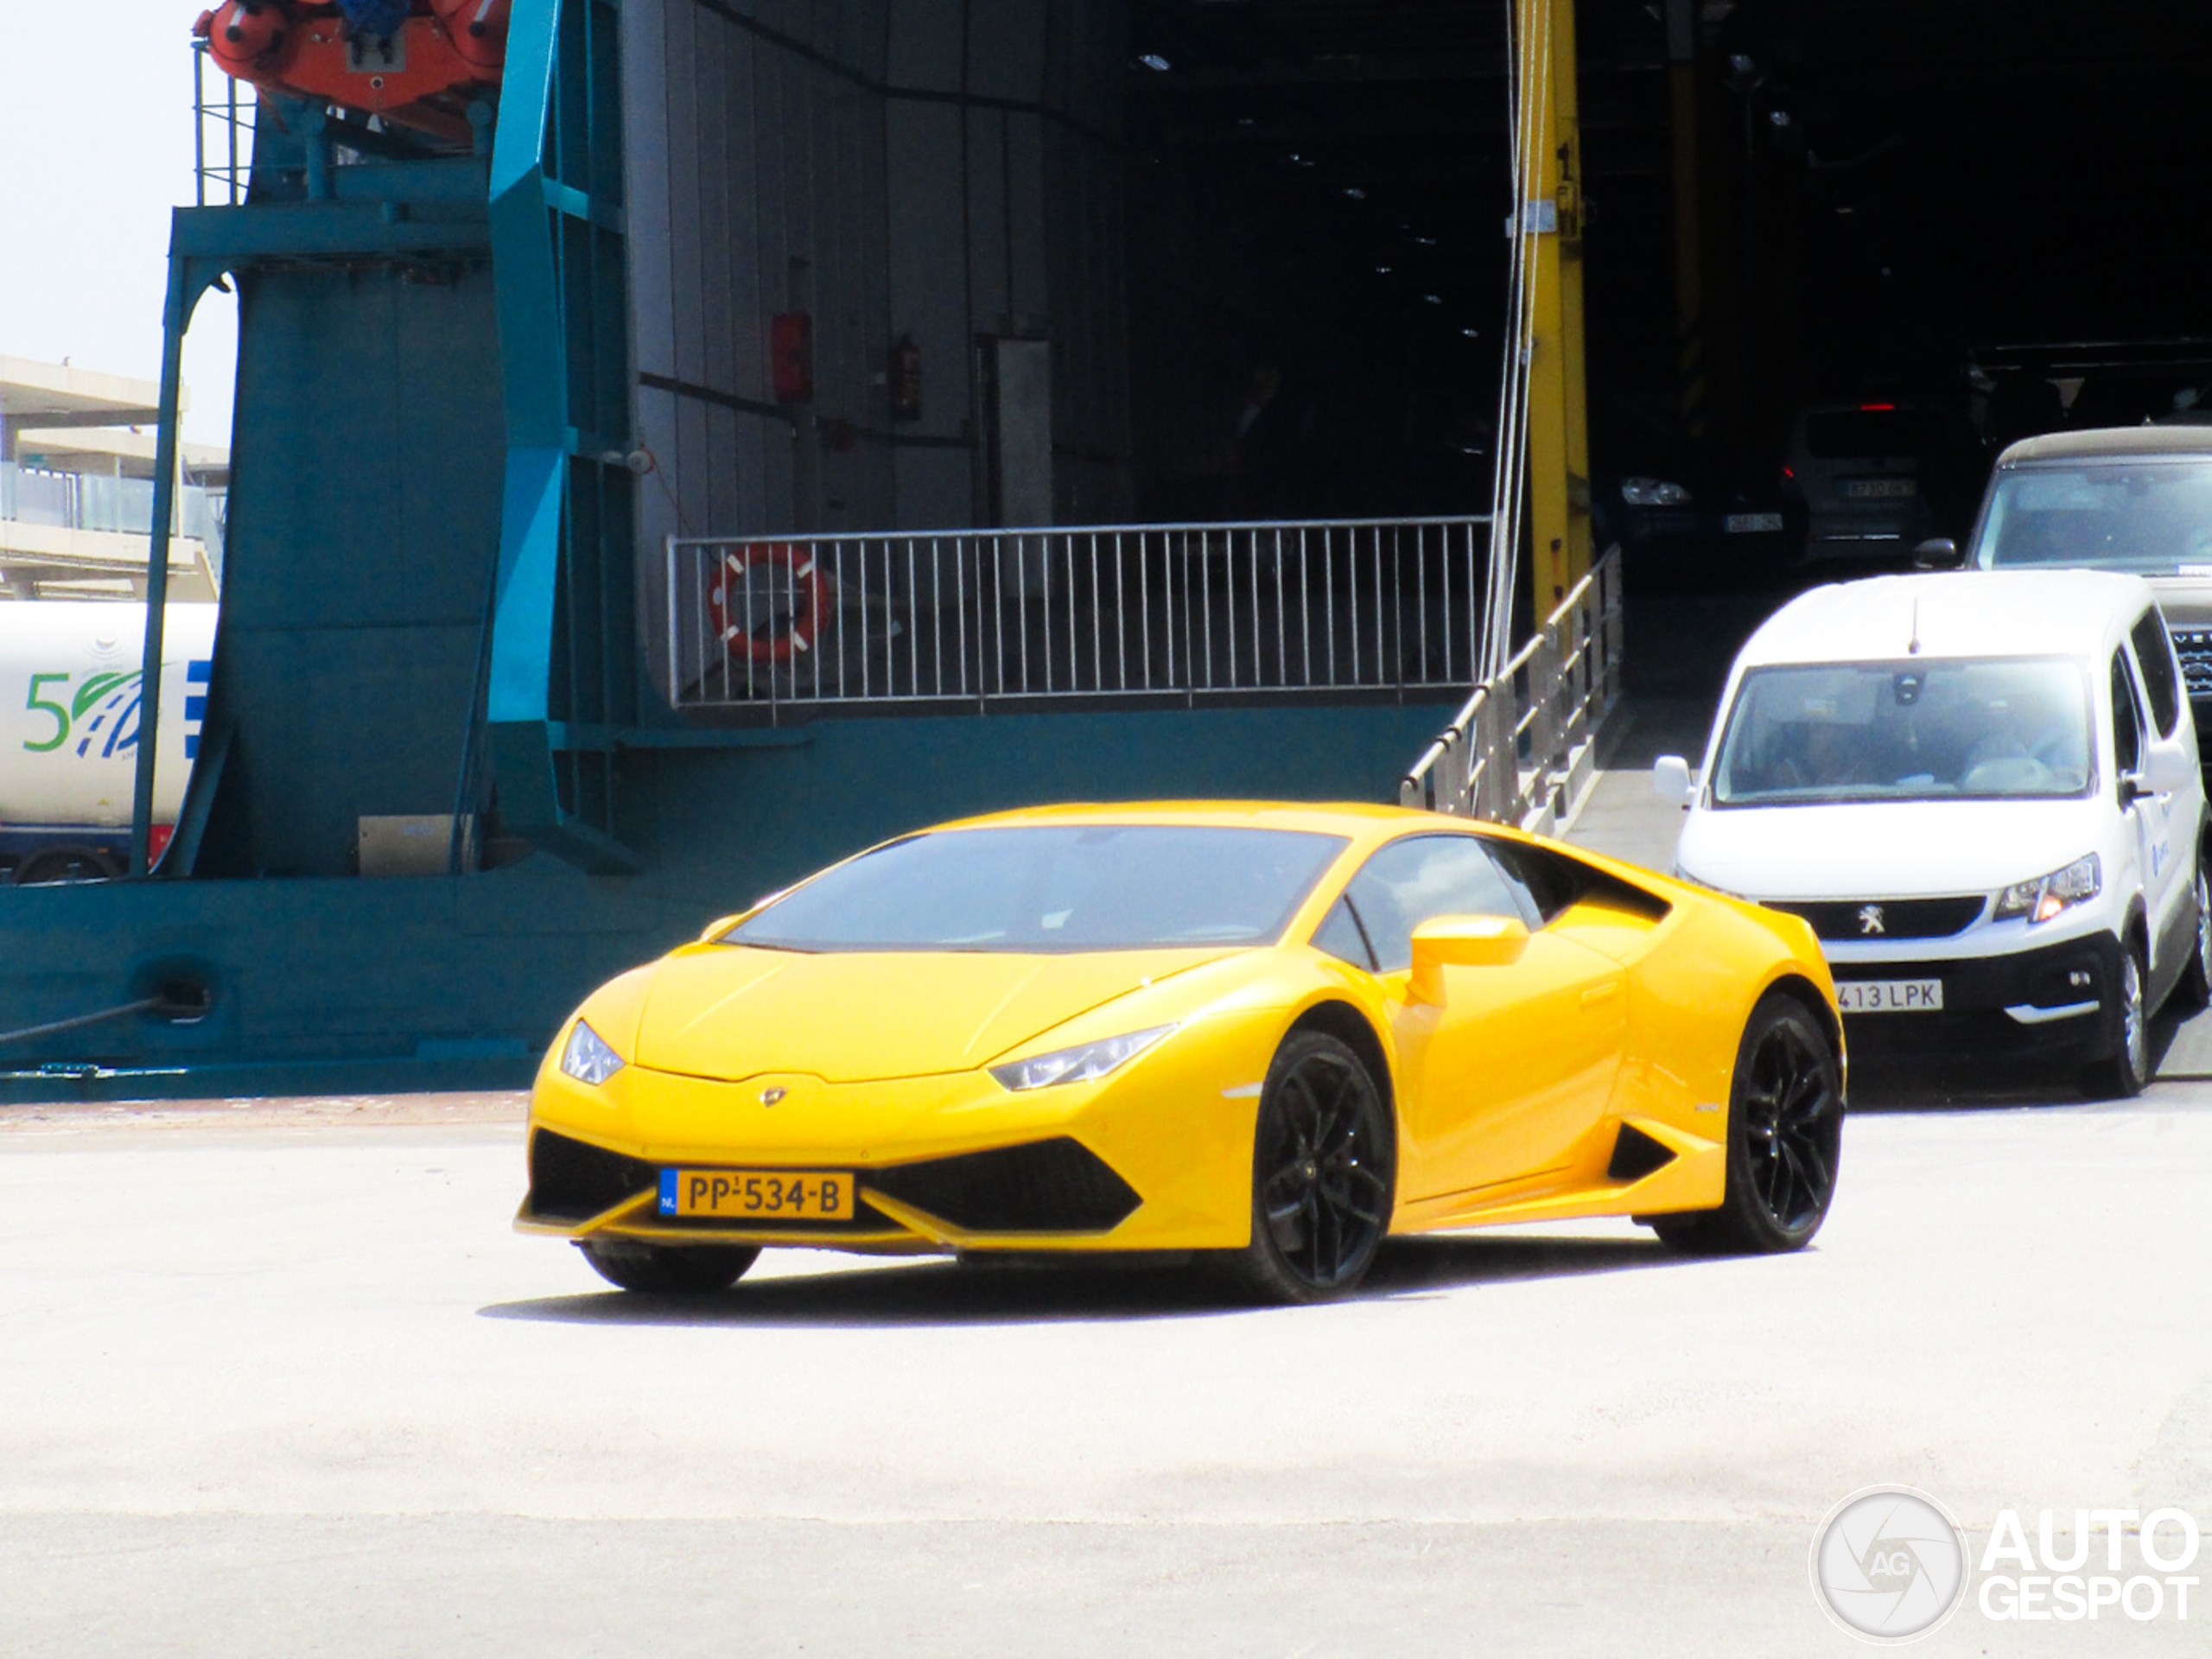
[1981, 790]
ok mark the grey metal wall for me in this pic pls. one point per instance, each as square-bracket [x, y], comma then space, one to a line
[945, 168]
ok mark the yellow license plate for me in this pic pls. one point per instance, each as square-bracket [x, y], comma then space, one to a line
[758, 1194]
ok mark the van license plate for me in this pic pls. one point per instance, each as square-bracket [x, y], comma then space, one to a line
[1751, 524]
[1890, 995]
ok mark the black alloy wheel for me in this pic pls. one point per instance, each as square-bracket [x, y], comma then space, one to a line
[1785, 1139]
[668, 1270]
[2123, 1073]
[1323, 1173]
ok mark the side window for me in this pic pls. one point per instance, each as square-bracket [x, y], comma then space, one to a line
[2154, 655]
[1342, 937]
[1411, 880]
[1547, 883]
[2126, 722]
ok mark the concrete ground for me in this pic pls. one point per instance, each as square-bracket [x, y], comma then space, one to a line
[282, 1381]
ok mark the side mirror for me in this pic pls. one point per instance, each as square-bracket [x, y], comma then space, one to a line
[2166, 767]
[1672, 780]
[1936, 553]
[1463, 942]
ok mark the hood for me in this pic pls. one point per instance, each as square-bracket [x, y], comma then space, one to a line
[731, 1012]
[1889, 849]
[2185, 601]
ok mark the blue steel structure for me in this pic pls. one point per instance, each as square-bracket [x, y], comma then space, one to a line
[429, 608]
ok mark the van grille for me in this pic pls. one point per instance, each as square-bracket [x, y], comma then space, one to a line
[1890, 918]
[2194, 647]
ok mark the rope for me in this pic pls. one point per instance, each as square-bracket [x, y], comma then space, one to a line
[49, 1030]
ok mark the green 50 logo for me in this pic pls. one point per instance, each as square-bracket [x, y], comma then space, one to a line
[103, 710]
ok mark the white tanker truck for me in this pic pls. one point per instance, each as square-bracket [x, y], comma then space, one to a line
[69, 726]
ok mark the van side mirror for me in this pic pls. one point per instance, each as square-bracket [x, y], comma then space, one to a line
[1445, 942]
[1672, 780]
[2167, 766]
[1938, 553]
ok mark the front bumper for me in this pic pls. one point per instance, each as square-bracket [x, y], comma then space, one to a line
[1157, 1156]
[2056, 1001]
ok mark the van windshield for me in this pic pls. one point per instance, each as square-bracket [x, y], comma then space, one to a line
[1940, 730]
[2153, 516]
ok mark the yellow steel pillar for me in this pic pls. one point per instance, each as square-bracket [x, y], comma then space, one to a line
[1559, 426]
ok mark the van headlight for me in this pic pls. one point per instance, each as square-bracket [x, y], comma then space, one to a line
[588, 1058]
[2047, 895]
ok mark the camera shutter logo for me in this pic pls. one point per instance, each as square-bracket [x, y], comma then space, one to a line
[1890, 1564]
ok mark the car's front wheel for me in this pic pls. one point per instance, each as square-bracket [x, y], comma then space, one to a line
[1323, 1173]
[668, 1270]
[1785, 1137]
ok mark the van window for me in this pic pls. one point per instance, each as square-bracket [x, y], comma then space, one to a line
[2126, 722]
[1869, 434]
[1918, 730]
[2154, 655]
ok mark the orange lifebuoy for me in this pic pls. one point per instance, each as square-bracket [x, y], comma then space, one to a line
[797, 605]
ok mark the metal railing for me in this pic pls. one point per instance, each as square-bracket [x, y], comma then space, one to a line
[1522, 742]
[222, 136]
[1121, 613]
[33, 495]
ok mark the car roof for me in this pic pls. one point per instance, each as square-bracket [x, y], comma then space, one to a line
[1360, 819]
[1953, 614]
[2110, 443]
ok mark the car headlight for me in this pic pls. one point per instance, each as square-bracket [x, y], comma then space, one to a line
[1654, 493]
[588, 1059]
[2045, 896]
[1085, 1063]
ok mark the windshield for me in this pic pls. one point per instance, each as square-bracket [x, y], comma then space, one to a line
[1053, 888]
[2151, 517]
[1976, 730]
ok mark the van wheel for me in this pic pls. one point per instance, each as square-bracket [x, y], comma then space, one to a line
[2121, 1076]
[2195, 990]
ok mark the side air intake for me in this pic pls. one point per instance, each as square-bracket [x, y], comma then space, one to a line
[572, 1181]
[1636, 1156]
[1047, 1186]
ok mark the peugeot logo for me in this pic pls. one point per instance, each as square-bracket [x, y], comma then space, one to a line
[770, 1096]
[1871, 919]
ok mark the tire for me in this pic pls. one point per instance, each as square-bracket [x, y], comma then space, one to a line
[1324, 1174]
[1785, 1139]
[2195, 990]
[669, 1269]
[64, 867]
[2121, 1075]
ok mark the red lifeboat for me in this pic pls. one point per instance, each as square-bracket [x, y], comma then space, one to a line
[424, 73]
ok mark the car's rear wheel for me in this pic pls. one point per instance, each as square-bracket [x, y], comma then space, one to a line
[1785, 1137]
[668, 1270]
[2121, 1075]
[1323, 1173]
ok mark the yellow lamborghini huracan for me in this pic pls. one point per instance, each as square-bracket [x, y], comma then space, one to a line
[1273, 1033]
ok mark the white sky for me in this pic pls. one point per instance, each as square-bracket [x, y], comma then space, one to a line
[95, 149]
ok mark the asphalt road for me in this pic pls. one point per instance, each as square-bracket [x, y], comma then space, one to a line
[282, 1382]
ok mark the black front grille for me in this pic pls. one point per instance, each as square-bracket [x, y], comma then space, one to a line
[1047, 1186]
[1887, 919]
[2194, 647]
[571, 1181]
